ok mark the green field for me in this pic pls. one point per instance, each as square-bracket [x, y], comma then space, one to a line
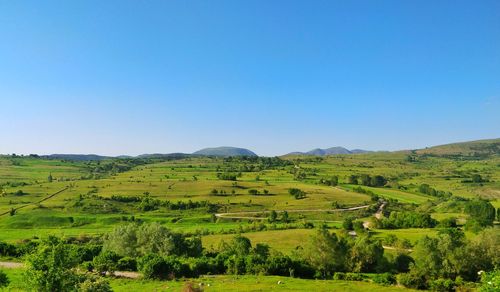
[81, 199]
[228, 283]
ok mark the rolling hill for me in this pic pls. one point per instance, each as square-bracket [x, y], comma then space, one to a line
[224, 152]
[471, 148]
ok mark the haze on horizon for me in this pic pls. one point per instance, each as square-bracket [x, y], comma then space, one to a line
[134, 77]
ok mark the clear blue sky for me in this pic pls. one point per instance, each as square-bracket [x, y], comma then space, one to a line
[131, 77]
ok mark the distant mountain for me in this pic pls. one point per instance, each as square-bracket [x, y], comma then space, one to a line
[224, 152]
[329, 151]
[77, 157]
[161, 155]
[479, 147]
[358, 151]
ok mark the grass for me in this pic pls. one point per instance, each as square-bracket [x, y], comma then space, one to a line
[224, 283]
[282, 240]
[252, 283]
[194, 179]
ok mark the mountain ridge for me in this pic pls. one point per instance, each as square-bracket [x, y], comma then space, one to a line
[329, 151]
[475, 147]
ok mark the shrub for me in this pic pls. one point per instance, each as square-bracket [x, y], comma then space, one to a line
[339, 276]
[297, 193]
[156, 267]
[7, 249]
[481, 211]
[490, 281]
[127, 264]
[384, 279]
[412, 280]
[106, 261]
[153, 267]
[95, 284]
[347, 224]
[402, 262]
[448, 222]
[50, 267]
[87, 266]
[4, 280]
[445, 285]
[354, 277]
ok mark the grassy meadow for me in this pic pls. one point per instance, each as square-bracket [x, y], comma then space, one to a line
[41, 197]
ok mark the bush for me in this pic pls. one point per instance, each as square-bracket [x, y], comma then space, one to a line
[4, 280]
[106, 262]
[87, 266]
[407, 219]
[412, 280]
[50, 267]
[297, 193]
[490, 281]
[402, 262]
[7, 249]
[354, 277]
[347, 224]
[95, 284]
[384, 279]
[339, 276]
[445, 285]
[156, 267]
[448, 223]
[153, 267]
[127, 264]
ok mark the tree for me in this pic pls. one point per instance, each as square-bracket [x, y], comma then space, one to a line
[106, 261]
[424, 188]
[476, 178]
[51, 268]
[273, 216]
[366, 254]
[378, 181]
[365, 179]
[122, 240]
[449, 256]
[358, 227]
[326, 253]
[347, 224]
[153, 266]
[4, 280]
[135, 240]
[353, 179]
[334, 181]
[483, 249]
[480, 211]
[297, 193]
[239, 245]
[253, 192]
[284, 217]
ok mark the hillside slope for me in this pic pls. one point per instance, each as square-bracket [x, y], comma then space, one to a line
[479, 147]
